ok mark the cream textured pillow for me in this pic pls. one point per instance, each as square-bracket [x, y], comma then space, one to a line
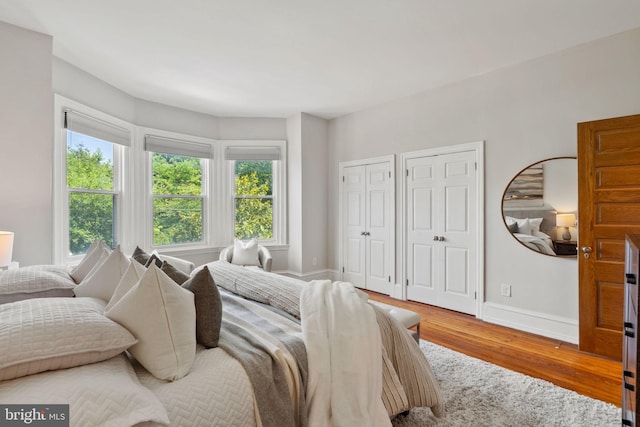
[131, 276]
[36, 281]
[245, 253]
[162, 316]
[44, 334]
[107, 393]
[102, 282]
[92, 257]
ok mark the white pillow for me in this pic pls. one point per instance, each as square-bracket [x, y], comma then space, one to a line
[36, 281]
[107, 393]
[245, 253]
[524, 226]
[162, 316]
[535, 224]
[131, 276]
[179, 263]
[43, 334]
[92, 257]
[102, 282]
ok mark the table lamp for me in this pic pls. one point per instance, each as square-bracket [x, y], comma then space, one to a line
[6, 248]
[566, 220]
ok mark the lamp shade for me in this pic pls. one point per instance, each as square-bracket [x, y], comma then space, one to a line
[6, 248]
[566, 220]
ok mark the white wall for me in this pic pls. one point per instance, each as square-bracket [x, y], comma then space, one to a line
[29, 76]
[525, 113]
[26, 150]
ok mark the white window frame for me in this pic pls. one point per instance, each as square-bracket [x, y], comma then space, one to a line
[279, 191]
[209, 204]
[61, 251]
[132, 182]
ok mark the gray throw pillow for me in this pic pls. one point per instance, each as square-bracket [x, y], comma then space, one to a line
[178, 276]
[141, 256]
[208, 307]
[154, 259]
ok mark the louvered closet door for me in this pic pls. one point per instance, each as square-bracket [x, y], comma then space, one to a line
[441, 234]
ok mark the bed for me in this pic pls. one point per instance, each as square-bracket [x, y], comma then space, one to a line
[533, 227]
[285, 352]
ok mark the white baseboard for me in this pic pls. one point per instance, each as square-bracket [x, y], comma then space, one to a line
[547, 325]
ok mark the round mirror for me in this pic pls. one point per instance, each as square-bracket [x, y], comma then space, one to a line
[540, 204]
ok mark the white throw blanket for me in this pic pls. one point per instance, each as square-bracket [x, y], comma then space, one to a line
[344, 350]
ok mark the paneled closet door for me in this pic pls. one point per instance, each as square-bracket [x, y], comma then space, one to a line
[441, 235]
[366, 217]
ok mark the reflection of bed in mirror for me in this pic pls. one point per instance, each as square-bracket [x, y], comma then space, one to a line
[533, 227]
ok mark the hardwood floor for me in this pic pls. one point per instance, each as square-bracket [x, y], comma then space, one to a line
[555, 361]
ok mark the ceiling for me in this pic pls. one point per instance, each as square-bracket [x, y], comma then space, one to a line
[276, 58]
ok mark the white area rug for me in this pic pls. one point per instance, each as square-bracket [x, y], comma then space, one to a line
[478, 393]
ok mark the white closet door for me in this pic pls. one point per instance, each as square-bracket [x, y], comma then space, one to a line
[367, 225]
[441, 235]
[378, 225]
[353, 219]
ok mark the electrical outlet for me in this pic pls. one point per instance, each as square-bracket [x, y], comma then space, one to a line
[314, 261]
[506, 290]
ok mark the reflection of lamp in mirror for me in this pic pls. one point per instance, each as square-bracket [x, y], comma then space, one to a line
[6, 248]
[566, 220]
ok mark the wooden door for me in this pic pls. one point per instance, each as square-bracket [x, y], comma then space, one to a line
[608, 209]
[441, 233]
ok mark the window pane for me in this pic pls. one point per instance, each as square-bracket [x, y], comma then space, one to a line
[254, 177]
[254, 218]
[176, 220]
[89, 162]
[91, 217]
[177, 175]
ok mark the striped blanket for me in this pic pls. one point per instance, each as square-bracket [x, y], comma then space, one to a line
[267, 340]
[269, 346]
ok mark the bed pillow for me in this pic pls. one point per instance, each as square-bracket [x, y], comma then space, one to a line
[208, 307]
[45, 334]
[162, 316]
[107, 393]
[102, 282]
[154, 259]
[140, 255]
[245, 253]
[131, 276]
[178, 276]
[36, 281]
[179, 263]
[90, 259]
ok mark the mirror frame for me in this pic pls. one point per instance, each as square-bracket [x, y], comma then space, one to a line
[504, 193]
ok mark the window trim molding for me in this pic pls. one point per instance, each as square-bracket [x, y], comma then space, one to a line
[135, 201]
[279, 190]
[209, 193]
[60, 192]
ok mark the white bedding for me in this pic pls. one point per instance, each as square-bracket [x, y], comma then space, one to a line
[100, 394]
[342, 390]
[217, 392]
[539, 242]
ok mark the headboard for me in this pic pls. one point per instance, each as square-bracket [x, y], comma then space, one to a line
[547, 213]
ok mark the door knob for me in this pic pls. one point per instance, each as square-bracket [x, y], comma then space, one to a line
[441, 238]
[587, 251]
[363, 233]
[436, 238]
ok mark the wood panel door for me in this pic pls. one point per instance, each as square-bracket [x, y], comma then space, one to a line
[441, 231]
[608, 209]
[367, 218]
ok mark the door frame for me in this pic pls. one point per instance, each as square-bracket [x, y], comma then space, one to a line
[478, 148]
[391, 159]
